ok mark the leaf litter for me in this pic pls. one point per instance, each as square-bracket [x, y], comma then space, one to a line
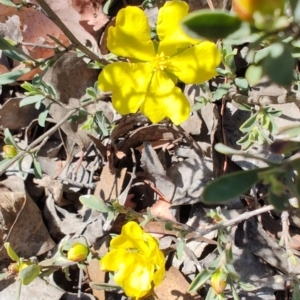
[157, 166]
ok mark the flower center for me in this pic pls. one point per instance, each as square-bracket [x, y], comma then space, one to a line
[160, 62]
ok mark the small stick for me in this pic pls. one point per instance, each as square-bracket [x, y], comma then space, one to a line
[210, 4]
[45, 135]
[53, 16]
[232, 222]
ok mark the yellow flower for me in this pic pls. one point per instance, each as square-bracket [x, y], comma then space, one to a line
[136, 259]
[147, 82]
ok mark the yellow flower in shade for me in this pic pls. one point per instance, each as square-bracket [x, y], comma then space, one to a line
[136, 260]
[147, 81]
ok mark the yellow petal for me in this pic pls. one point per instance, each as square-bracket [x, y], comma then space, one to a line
[132, 230]
[131, 36]
[137, 279]
[196, 64]
[133, 237]
[164, 100]
[169, 30]
[128, 83]
[159, 260]
[113, 260]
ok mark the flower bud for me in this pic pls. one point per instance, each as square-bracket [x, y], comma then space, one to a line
[10, 151]
[245, 9]
[13, 268]
[218, 281]
[25, 264]
[78, 252]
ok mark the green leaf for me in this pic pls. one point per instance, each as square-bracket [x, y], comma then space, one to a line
[29, 273]
[234, 293]
[279, 64]
[295, 6]
[180, 248]
[231, 270]
[230, 151]
[221, 91]
[9, 139]
[241, 83]
[31, 99]
[13, 76]
[211, 24]
[254, 74]
[12, 51]
[280, 202]
[94, 203]
[11, 253]
[273, 111]
[281, 146]
[249, 124]
[91, 91]
[230, 186]
[107, 6]
[289, 132]
[4, 275]
[211, 295]
[246, 286]
[223, 72]
[37, 169]
[8, 3]
[56, 261]
[261, 54]
[199, 281]
[42, 117]
[105, 286]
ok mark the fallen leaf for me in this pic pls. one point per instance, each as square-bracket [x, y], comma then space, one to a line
[66, 71]
[175, 286]
[90, 14]
[22, 224]
[15, 117]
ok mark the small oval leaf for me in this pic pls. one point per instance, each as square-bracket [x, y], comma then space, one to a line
[29, 273]
[280, 202]
[279, 55]
[211, 24]
[94, 203]
[11, 253]
[199, 281]
[31, 100]
[230, 186]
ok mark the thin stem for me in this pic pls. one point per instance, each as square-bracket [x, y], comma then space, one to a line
[48, 133]
[210, 4]
[232, 222]
[53, 16]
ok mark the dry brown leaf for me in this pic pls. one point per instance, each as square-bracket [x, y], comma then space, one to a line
[91, 14]
[110, 185]
[15, 117]
[3, 69]
[161, 208]
[96, 275]
[70, 76]
[22, 224]
[35, 27]
[175, 286]
[31, 26]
